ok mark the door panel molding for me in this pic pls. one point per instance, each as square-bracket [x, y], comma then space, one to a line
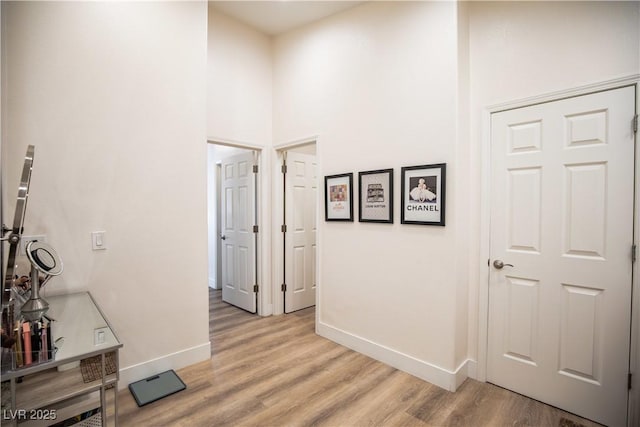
[582, 131]
[485, 209]
[301, 185]
[239, 198]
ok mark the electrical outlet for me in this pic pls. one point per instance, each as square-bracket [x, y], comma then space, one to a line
[99, 335]
[24, 241]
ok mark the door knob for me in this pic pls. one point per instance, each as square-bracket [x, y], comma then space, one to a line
[223, 237]
[499, 264]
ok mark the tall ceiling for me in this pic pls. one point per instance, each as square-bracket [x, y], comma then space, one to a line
[275, 17]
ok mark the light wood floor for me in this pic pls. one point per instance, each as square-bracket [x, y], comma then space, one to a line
[276, 371]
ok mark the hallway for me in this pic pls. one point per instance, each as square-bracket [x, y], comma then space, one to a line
[276, 371]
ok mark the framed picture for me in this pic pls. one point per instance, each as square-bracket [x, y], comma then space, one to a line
[423, 194]
[338, 197]
[376, 196]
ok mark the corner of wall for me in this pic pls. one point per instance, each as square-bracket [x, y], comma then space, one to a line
[465, 235]
[448, 380]
[177, 360]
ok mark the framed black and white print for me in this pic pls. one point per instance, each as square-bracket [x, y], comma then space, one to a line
[423, 194]
[376, 196]
[338, 197]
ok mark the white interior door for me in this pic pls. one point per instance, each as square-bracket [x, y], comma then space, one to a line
[562, 215]
[301, 191]
[238, 240]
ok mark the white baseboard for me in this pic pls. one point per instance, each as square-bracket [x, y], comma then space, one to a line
[472, 369]
[267, 310]
[449, 380]
[174, 361]
[212, 283]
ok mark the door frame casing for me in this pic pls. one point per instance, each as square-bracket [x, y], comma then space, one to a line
[485, 228]
[277, 255]
[263, 244]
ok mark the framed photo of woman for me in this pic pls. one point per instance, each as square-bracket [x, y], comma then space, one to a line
[338, 197]
[423, 194]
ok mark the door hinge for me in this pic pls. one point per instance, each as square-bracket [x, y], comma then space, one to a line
[255, 228]
[284, 287]
[634, 253]
[255, 168]
[284, 169]
[635, 123]
[283, 228]
[629, 381]
[255, 288]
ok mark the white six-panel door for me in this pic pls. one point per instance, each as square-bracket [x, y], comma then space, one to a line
[301, 190]
[238, 240]
[562, 215]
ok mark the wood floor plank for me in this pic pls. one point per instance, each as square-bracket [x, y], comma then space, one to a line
[276, 371]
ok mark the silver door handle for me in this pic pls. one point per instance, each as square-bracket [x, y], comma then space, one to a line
[499, 264]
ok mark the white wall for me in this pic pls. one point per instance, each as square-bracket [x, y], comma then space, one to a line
[112, 96]
[463, 206]
[514, 56]
[239, 82]
[378, 85]
[239, 112]
[398, 84]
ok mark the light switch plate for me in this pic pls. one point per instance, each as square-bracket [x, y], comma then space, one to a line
[98, 240]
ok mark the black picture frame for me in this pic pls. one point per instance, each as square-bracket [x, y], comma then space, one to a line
[338, 197]
[424, 191]
[375, 199]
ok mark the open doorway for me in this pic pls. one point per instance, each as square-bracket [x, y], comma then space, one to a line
[299, 214]
[233, 224]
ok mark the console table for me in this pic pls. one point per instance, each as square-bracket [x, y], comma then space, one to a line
[45, 393]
